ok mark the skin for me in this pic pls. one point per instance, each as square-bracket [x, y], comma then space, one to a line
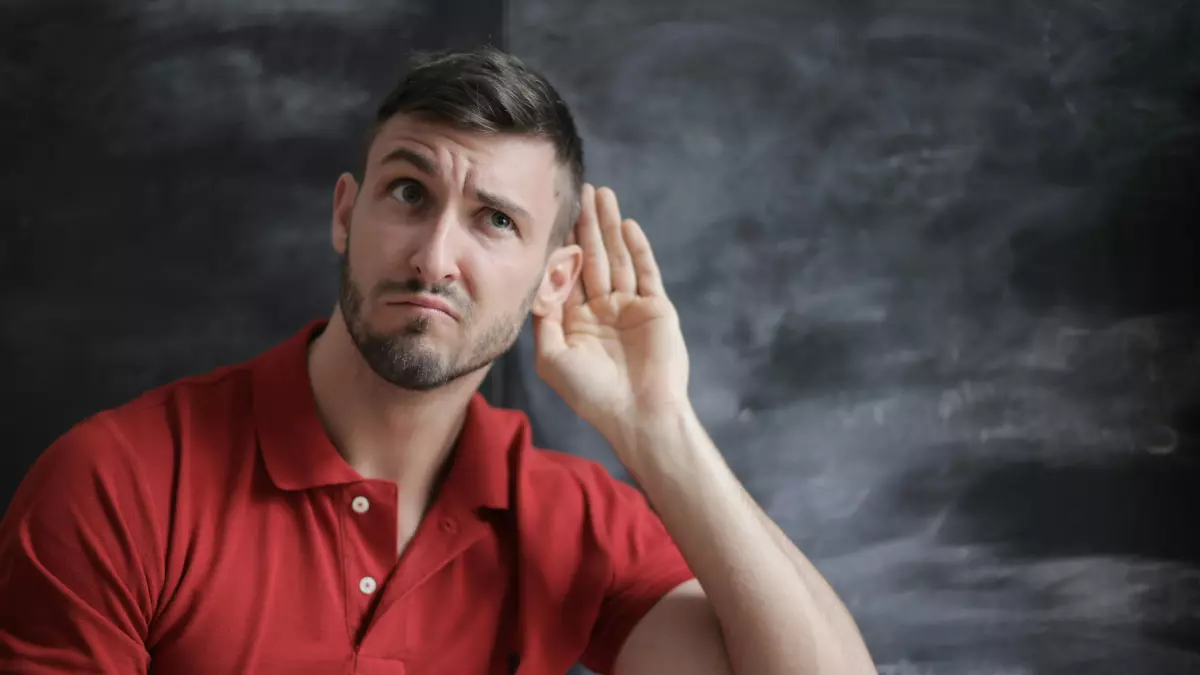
[387, 374]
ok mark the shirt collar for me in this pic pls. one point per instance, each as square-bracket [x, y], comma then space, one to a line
[299, 455]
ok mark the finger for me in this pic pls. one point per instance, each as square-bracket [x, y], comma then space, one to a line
[649, 277]
[597, 281]
[619, 264]
[576, 298]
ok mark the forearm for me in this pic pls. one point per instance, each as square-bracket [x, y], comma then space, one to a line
[852, 650]
[777, 613]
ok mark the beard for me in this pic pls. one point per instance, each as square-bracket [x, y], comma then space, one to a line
[408, 358]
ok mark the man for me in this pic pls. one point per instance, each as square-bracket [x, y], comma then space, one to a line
[347, 503]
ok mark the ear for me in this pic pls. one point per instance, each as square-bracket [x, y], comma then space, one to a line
[563, 267]
[344, 195]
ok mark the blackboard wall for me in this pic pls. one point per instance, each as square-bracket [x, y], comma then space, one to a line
[938, 275]
[935, 264]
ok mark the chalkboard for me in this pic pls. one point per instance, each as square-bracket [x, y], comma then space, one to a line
[935, 264]
[937, 273]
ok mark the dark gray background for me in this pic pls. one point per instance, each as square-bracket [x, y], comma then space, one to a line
[936, 270]
[935, 264]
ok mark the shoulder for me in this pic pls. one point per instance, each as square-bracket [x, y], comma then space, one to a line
[597, 487]
[132, 447]
[560, 472]
[581, 498]
[87, 531]
[165, 413]
[585, 474]
[558, 481]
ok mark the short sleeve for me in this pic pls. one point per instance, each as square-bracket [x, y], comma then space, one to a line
[76, 549]
[645, 564]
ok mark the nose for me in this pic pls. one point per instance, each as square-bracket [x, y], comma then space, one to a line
[435, 254]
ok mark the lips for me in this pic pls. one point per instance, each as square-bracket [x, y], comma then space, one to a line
[427, 301]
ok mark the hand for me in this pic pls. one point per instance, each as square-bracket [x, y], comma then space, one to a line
[614, 350]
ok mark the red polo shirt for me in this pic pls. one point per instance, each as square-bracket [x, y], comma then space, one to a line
[211, 527]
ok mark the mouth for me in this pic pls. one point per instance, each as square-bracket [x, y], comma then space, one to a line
[426, 303]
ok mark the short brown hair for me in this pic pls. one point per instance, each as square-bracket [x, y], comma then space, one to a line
[490, 91]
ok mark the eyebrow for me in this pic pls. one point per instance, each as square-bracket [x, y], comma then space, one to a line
[499, 203]
[429, 167]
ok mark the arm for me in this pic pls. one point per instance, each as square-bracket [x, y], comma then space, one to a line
[75, 549]
[613, 348]
[757, 596]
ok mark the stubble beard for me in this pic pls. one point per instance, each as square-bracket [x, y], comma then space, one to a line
[407, 358]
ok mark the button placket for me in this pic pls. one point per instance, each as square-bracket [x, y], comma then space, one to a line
[367, 523]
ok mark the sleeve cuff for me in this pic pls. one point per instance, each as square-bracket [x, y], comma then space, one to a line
[625, 611]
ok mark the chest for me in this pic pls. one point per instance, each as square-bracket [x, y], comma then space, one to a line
[318, 586]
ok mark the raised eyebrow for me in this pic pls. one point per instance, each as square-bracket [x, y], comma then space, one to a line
[499, 203]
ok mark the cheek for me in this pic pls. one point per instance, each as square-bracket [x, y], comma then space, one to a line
[372, 246]
[499, 290]
[366, 260]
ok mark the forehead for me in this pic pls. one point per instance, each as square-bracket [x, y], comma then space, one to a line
[516, 166]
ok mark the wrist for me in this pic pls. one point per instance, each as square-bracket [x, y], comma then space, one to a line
[663, 437]
[641, 423]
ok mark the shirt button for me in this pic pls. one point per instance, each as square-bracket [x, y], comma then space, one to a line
[449, 525]
[360, 504]
[366, 585]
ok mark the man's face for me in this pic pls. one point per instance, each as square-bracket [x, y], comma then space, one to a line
[444, 248]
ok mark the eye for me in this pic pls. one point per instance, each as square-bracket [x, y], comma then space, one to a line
[408, 191]
[501, 221]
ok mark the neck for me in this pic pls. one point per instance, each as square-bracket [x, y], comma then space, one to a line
[381, 430]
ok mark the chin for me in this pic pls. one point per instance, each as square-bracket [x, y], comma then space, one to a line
[392, 322]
